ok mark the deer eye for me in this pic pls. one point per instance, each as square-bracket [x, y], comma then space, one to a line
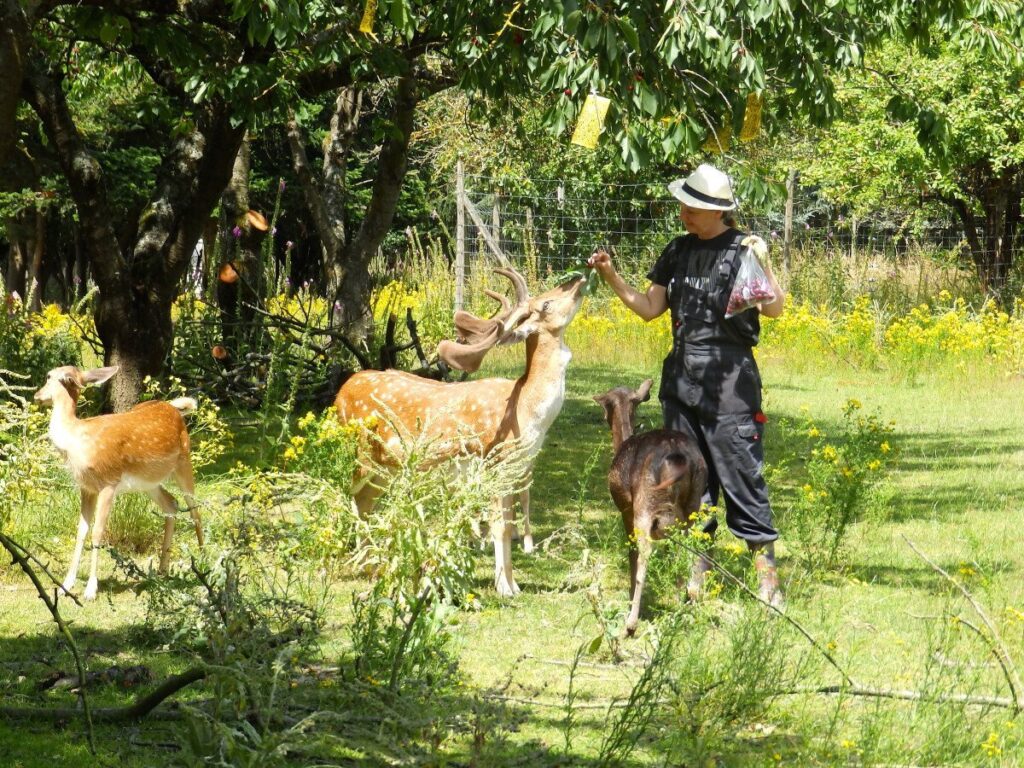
[545, 306]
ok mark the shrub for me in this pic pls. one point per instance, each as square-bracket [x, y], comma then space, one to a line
[33, 343]
[843, 474]
[421, 531]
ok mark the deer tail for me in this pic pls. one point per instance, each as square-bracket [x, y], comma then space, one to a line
[673, 468]
[185, 405]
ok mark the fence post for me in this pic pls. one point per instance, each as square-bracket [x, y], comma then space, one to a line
[853, 238]
[787, 233]
[460, 235]
[496, 218]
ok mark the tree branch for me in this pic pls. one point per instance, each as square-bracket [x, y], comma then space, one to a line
[14, 45]
[304, 173]
[785, 616]
[136, 711]
[84, 175]
[904, 695]
[21, 557]
[997, 646]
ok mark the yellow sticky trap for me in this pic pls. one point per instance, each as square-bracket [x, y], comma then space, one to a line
[720, 141]
[369, 14]
[591, 122]
[752, 118]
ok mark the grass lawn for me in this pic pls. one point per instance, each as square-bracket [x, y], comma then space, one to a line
[957, 490]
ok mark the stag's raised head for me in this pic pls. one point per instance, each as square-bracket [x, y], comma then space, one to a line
[72, 380]
[549, 313]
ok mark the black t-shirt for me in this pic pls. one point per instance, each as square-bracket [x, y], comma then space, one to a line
[689, 268]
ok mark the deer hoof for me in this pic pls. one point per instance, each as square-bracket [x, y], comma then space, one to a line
[695, 591]
[506, 587]
[91, 589]
[631, 628]
[528, 543]
[68, 586]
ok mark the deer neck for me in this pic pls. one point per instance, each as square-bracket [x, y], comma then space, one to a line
[63, 421]
[547, 359]
[622, 428]
[541, 389]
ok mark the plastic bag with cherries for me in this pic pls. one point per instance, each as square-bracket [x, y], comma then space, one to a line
[751, 287]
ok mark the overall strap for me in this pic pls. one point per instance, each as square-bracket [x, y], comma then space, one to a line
[727, 266]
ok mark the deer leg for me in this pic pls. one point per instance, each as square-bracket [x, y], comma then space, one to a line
[501, 532]
[104, 501]
[524, 502]
[634, 556]
[364, 494]
[166, 502]
[643, 552]
[186, 481]
[478, 532]
[88, 509]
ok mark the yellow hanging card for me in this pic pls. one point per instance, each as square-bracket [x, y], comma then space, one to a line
[369, 13]
[591, 122]
[720, 141]
[752, 118]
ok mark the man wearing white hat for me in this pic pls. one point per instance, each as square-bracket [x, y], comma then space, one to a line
[710, 385]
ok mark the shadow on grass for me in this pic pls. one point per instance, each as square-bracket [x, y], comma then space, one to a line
[476, 727]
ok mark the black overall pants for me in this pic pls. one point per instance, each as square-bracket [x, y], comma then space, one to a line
[711, 389]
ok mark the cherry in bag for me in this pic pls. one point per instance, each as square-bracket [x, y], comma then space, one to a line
[751, 286]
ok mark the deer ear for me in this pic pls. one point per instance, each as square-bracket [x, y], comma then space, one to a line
[468, 357]
[644, 393]
[99, 375]
[473, 329]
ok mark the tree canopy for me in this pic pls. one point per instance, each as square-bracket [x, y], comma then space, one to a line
[192, 78]
[942, 126]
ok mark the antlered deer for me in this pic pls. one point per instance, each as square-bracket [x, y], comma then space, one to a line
[476, 416]
[656, 480]
[132, 451]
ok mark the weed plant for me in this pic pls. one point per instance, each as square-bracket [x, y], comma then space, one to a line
[33, 343]
[844, 483]
[420, 532]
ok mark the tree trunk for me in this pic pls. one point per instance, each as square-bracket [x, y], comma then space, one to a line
[974, 243]
[13, 44]
[133, 310]
[196, 170]
[240, 274]
[14, 281]
[136, 332]
[353, 296]
[998, 198]
[326, 199]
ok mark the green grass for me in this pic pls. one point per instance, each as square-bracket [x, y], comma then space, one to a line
[957, 485]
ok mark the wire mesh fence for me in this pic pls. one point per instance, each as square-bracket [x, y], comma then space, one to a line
[550, 226]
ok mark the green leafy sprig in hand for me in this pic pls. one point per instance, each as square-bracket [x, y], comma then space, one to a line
[581, 269]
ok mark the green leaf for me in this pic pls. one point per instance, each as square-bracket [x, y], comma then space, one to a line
[648, 99]
[108, 33]
[629, 32]
[595, 645]
[611, 41]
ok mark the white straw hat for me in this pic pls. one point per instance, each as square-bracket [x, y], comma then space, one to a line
[706, 188]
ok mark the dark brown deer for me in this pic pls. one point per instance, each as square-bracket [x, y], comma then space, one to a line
[656, 480]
